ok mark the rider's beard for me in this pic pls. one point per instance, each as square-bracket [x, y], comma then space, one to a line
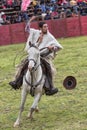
[44, 32]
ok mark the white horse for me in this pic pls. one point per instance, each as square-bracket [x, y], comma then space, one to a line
[33, 82]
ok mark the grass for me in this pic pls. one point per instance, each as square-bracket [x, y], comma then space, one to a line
[66, 110]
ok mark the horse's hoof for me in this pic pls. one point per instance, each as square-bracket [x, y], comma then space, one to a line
[30, 118]
[37, 110]
[27, 117]
[16, 125]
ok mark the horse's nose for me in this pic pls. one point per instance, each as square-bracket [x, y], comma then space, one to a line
[30, 68]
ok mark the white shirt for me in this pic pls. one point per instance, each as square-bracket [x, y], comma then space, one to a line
[48, 39]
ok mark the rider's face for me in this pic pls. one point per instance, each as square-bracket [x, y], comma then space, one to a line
[44, 28]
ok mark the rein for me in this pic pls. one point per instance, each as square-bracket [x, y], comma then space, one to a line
[31, 83]
[33, 86]
[33, 61]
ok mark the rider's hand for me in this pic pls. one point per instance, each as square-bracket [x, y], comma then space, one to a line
[32, 18]
[53, 48]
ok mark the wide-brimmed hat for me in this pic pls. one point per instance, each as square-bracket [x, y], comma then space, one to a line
[70, 82]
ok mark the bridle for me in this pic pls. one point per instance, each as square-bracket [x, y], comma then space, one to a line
[35, 63]
[33, 85]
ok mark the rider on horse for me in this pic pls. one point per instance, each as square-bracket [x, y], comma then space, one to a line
[43, 38]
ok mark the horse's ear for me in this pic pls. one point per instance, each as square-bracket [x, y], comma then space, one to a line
[29, 43]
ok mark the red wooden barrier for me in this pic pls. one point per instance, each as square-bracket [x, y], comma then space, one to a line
[59, 28]
[15, 33]
[4, 35]
[73, 27]
[83, 20]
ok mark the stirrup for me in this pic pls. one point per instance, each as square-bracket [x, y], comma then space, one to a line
[52, 92]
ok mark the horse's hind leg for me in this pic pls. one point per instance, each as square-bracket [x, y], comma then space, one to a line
[37, 109]
[23, 99]
[34, 105]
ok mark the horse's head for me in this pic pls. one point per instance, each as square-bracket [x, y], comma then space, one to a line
[34, 56]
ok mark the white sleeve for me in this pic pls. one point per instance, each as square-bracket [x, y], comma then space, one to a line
[55, 42]
[30, 38]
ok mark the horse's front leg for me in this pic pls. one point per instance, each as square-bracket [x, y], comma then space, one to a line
[34, 105]
[23, 99]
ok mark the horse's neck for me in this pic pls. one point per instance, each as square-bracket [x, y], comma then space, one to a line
[38, 72]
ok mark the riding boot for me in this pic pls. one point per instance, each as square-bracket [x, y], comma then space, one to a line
[50, 89]
[17, 83]
[48, 86]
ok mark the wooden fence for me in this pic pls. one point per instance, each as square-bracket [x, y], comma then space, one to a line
[68, 27]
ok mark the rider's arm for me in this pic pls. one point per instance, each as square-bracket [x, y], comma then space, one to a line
[31, 32]
[54, 45]
[27, 28]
